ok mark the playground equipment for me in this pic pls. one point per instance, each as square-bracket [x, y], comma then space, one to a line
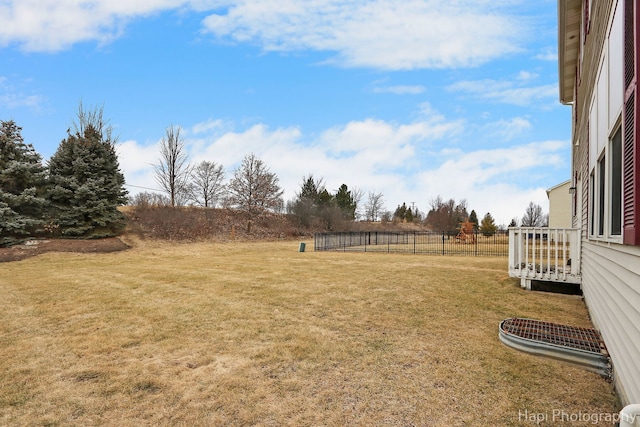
[467, 233]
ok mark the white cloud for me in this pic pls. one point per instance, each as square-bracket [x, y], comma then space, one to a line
[400, 89]
[136, 162]
[53, 25]
[507, 130]
[495, 181]
[385, 34]
[12, 97]
[509, 92]
[548, 54]
[207, 126]
[527, 75]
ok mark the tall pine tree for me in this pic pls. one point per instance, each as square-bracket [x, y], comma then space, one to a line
[86, 184]
[22, 178]
[345, 202]
[473, 218]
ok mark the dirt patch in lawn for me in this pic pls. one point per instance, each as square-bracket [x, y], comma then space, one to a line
[32, 248]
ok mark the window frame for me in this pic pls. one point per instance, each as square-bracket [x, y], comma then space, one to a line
[602, 225]
[615, 185]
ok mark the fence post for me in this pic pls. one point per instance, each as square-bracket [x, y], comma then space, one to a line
[476, 240]
[443, 243]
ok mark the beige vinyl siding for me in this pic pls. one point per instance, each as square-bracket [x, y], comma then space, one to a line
[560, 206]
[611, 287]
[610, 271]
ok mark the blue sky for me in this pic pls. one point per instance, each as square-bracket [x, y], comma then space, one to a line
[413, 99]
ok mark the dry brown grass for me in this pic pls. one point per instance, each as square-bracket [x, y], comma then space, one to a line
[260, 334]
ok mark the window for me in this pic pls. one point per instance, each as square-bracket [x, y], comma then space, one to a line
[615, 191]
[606, 191]
[592, 208]
[601, 199]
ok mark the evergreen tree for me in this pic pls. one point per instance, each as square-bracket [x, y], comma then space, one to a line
[488, 226]
[325, 199]
[401, 213]
[85, 182]
[404, 214]
[22, 177]
[310, 190]
[410, 215]
[473, 217]
[306, 205]
[345, 202]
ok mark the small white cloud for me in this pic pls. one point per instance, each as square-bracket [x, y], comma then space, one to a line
[507, 130]
[548, 54]
[509, 92]
[13, 97]
[526, 76]
[207, 126]
[400, 89]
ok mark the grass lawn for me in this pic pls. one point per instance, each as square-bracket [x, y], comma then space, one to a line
[261, 334]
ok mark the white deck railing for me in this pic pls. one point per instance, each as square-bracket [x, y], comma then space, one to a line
[547, 254]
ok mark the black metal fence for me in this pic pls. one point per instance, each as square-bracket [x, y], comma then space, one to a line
[418, 242]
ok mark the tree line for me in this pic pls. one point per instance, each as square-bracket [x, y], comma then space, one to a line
[77, 192]
[447, 215]
[253, 188]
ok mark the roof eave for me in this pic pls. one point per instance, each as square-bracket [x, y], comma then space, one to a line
[569, 21]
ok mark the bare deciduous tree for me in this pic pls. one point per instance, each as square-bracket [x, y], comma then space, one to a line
[374, 206]
[173, 170]
[446, 216]
[533, 216]
[357, 194]
[207, 187]
[254, 188]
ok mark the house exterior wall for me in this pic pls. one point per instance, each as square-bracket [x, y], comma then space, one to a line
[560, 206]
[610, 268]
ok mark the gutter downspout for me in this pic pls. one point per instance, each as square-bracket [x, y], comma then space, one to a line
[629, 415]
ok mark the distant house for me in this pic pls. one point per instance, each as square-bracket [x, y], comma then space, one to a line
[560, 205]
[598, 51]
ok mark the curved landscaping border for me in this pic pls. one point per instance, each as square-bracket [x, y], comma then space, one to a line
[32, 248]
